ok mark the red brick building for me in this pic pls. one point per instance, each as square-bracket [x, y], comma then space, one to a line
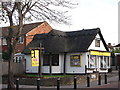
[29, 30]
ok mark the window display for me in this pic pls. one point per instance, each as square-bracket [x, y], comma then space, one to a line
[92, 61]
[104, 61]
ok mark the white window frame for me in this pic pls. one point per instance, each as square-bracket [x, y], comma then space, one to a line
[4, 41]
[17, 59]
[90, 61]
[105, 63]
[21, 40]
[96, 40]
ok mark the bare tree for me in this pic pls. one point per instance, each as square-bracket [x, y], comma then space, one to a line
[17, 12]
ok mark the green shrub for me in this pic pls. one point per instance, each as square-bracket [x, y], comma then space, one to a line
[5, 55]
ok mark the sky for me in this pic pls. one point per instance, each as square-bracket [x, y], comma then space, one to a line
[93, 14]
[90, 14]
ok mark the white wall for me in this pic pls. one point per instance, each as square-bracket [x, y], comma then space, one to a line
[101, 48]
[73, 69]
[29, 68]
[45, 69]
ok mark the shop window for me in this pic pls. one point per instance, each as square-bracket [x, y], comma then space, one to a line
[101, 61]
[97, 42]
[106, 62]
[54, 58]
[46, 60]
[75, 60]
[92, 61]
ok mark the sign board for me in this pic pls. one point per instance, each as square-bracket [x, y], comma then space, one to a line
[35, 57]
[100, 53]
[75, 60]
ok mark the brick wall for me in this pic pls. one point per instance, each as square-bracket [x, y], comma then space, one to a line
[43, 28]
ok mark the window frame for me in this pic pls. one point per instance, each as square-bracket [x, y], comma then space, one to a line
[105, 61]
[78, 59]
[52, 61]
[21, 40]
[97, 42]
[3, 41]
[94, 61]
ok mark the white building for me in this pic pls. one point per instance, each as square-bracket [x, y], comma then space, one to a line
[76, 52]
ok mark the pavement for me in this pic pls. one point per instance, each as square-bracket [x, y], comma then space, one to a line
[112, 83]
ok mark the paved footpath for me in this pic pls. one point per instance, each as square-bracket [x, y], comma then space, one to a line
[112, 83]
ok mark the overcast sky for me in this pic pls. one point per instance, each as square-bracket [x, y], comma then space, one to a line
[95, 13]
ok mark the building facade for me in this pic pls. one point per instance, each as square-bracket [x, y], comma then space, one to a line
[29, 30]
[76, 52]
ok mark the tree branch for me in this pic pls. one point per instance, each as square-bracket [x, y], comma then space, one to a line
[28, 8]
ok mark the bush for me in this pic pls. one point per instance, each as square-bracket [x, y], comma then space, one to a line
[5, 55]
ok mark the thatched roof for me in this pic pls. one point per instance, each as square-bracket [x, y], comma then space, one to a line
[58, 41]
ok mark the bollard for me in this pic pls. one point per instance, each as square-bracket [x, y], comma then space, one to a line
[116, 67]
[17, 84]
[58, 84]
[38, 84]
[99, 79]
[119, 72]
[105, 78]
[88, 81]
[75, 82]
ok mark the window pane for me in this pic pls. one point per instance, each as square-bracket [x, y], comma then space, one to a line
[4, 41]
[96, 60]
[21, 40]
[46, 60]
[92, 61]
[55, 60]
[105, 62]
[97, 42]
[101, 61]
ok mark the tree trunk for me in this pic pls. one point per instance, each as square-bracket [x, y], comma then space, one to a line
[10, 74]
[13, 44]
[11, 55]
[11, 66]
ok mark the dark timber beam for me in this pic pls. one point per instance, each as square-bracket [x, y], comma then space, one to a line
[50, 68]
[64, 67]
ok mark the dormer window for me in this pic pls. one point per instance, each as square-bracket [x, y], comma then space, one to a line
[97, 42]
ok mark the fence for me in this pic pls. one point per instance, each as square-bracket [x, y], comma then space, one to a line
[19, 68]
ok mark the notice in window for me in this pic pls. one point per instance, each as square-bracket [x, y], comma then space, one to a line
[35, 57]
[75, 60]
